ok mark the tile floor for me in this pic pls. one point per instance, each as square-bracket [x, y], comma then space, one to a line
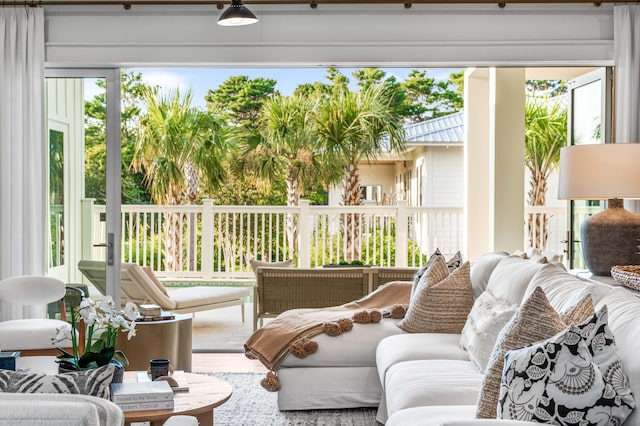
[218, 338]
[222, 330]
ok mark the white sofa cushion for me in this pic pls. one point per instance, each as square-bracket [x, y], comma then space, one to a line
[511, 277]
[448, 415]
[563, 289]
[431, 382]
[33, 333]
[624, 321]
[487, 317]
[482, 268]
[356, 348]
[410, 347]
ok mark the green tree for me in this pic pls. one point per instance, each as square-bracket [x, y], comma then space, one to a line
[350, 127]
[133, 190]
[240, 98]
[427, 98]
[180, 150]
[545, 134]
[548, 88]
[287, 144]
[287, 148]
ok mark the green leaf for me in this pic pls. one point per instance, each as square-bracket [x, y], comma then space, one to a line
[121, 358]
[105, 355]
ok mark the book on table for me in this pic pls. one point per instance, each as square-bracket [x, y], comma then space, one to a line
[161, 316]
[178, 376]
[141, 396]
[150, 310]
[146, 405]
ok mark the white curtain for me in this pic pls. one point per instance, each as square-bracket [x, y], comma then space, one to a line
[23, 150]
[626, 36]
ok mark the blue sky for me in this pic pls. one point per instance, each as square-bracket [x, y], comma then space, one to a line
[200, 80]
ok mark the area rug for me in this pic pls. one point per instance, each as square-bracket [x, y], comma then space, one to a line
[250, 404]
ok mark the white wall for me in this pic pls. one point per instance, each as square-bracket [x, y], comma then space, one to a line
[370, 174]
[444, 177]
[344, 35]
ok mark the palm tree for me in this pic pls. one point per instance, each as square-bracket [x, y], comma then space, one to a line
[286, 148]
[180, 150]
[545, 134]
[352, 127]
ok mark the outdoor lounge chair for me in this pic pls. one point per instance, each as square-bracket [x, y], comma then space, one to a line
[141, 286]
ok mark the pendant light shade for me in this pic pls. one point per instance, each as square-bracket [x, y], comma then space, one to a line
[237, 14]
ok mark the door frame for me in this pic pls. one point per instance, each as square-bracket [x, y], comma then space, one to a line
[605, 75]
[113, 166]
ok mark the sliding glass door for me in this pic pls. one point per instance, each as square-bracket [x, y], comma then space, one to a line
[589, 123]
[83, 129]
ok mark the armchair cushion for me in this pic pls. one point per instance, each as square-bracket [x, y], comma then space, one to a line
[32, 334]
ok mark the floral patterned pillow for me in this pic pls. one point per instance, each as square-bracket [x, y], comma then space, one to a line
[574, 377]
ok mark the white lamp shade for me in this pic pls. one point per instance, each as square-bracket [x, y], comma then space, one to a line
[599, 171]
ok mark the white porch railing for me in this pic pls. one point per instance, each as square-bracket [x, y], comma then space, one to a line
[216, 241]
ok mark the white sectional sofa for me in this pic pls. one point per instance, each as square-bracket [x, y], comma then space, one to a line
[428, 378]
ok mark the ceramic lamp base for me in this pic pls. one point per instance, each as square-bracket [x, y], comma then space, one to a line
[610, 238]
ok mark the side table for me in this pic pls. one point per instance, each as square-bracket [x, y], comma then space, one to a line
[159, 339]
[204, 394]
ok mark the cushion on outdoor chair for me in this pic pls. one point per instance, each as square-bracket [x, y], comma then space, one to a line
[189, 297]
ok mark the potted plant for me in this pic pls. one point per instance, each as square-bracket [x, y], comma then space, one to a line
[103, 323]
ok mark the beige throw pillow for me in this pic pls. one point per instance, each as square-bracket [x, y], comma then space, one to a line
[582, 311]
[441, 302]
[536, 320]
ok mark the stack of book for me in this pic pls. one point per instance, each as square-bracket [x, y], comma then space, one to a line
[142, 396]
[154, 313]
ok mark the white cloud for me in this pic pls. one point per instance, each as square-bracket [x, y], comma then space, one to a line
[166, 80]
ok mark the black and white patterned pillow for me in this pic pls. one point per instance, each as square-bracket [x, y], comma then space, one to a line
[455, 262]
[573, 378]
[94, 382]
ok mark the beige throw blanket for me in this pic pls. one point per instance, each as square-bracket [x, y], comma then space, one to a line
[271, 343]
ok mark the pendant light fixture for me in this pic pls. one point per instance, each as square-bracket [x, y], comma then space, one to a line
[237, 14]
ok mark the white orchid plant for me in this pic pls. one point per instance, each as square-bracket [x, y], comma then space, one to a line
[103, 323]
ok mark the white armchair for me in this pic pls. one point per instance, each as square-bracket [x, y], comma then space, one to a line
[32, 336]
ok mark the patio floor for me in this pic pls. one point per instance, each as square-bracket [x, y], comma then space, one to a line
[222, 330]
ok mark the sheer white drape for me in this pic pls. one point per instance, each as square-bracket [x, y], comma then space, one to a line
[627, 60]
[626, 36]
[23, 150]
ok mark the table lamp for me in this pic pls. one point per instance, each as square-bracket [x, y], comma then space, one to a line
[604, 172]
